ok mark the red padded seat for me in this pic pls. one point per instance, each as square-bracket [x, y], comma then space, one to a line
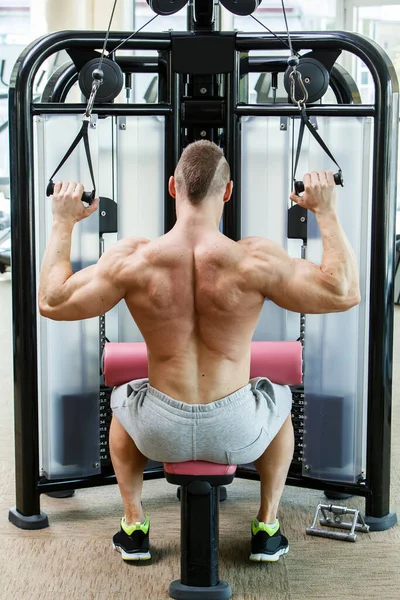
[199, 467]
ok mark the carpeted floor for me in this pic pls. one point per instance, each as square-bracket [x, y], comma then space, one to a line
[73, 558]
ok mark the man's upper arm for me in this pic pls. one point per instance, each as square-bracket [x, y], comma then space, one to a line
[94, 290]
[295, 284]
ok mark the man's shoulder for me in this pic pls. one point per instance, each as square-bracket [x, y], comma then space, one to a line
[131, 244]
[127, 247]
[254, 244]
[117, 255]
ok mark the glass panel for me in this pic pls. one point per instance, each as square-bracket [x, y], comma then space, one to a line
[140, 176]
[336, 345]
[265, 192]
[68, 352]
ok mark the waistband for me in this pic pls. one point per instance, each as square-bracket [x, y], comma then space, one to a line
[183, 409]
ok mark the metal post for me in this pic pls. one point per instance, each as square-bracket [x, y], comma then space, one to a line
[378, 515]
[27, 513]
[232, 213]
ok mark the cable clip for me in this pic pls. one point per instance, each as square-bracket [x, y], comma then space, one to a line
[301, 102]
[98, 77]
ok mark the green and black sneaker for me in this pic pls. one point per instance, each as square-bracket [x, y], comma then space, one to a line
[133, 541]
[267, 543]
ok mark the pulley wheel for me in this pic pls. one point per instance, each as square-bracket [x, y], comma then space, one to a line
[166, 7]
[315, 78]
[112, 82]
[241, 7]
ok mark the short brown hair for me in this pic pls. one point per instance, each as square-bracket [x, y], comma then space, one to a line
[202, 170]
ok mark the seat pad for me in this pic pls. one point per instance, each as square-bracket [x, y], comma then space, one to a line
[199, 467]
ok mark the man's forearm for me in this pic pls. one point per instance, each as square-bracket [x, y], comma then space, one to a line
[338, 260]
[56, 266]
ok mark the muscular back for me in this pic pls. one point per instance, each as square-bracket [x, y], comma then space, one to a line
[196, 305]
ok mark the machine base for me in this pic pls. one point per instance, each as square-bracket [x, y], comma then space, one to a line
[179, 591]
[32, 522]
[381, 523]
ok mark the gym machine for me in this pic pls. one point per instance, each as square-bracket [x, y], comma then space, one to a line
[203, 90]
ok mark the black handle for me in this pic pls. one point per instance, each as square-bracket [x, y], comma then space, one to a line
[87, 197]
[299, 185]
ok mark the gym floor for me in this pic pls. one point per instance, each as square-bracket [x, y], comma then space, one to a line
[73, 558]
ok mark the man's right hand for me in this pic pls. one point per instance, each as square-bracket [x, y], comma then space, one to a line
[319, 192]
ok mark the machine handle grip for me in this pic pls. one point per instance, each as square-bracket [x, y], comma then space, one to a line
[299, 185]
[87, 197]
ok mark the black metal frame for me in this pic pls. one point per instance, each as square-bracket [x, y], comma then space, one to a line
[29, 485]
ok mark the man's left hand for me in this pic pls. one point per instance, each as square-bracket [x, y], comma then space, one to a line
[67, 203]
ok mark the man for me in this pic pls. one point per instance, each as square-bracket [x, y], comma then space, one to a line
[196, 297]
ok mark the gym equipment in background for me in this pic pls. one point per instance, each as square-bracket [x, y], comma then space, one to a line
[342, 412]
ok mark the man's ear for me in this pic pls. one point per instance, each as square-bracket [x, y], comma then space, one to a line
[228, 191]
[171, 186]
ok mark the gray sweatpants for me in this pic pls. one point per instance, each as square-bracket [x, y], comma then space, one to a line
[234, 430]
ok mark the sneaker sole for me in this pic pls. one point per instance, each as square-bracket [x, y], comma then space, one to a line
[261, 557]
[130, 556]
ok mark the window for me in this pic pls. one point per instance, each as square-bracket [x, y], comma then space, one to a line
[302, 15]
[14, 21]
[380, 22]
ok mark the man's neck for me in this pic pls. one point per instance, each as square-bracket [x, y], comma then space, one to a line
[200, 217]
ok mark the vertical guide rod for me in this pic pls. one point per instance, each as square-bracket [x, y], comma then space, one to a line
[232, 212]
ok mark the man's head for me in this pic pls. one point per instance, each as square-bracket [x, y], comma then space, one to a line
[201, 174]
